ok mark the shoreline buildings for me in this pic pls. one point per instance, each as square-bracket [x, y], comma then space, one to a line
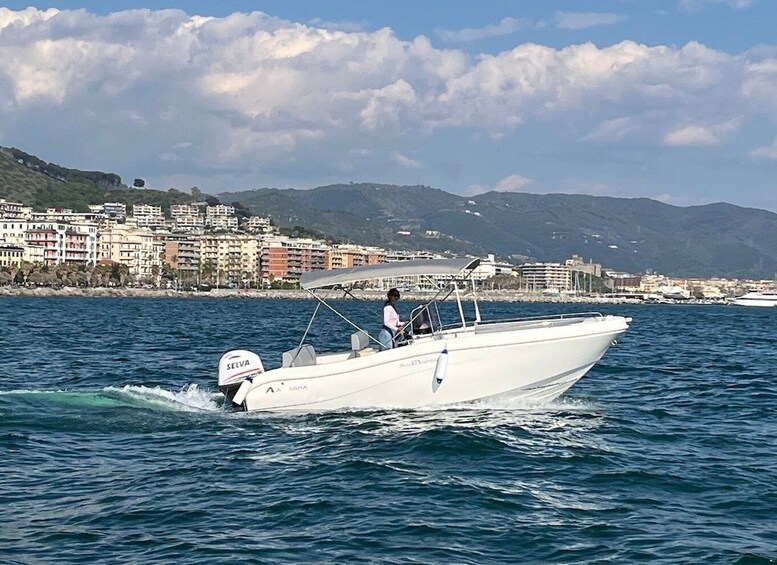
[204, 244]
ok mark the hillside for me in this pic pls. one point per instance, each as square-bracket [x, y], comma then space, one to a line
[626, 234]
[34, 182]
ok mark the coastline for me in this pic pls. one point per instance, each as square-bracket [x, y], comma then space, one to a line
[127, 292]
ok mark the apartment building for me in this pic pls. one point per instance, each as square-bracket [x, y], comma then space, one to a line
[345, 256]
[258, 224]
[228, 258]
[182, 255]
[285, 259]
[147, 216]
[138, 248]
[576, 263]
[490, 267]
[12, 231]
[546, 276]
[63, 242]
[116, 210]
[13, 210]
[11, 255]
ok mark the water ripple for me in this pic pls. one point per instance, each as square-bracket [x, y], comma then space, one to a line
[117, 447]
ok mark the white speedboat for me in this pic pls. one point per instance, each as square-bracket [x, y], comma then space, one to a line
[443, 364]
[762, 299]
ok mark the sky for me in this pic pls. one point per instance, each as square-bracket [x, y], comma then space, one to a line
[674, 100]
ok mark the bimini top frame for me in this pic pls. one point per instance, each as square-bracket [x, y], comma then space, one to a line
[343, 279]
[419, 267]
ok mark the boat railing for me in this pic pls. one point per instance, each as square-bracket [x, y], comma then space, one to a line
[566, 317]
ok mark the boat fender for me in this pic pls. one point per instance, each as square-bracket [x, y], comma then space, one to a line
[241, 393]
[441, 367]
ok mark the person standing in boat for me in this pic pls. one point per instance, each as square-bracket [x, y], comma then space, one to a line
[392, 326]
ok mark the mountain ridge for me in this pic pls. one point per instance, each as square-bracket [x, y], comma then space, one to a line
[629, 234]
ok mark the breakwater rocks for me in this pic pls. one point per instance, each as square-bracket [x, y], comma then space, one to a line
[127, 292]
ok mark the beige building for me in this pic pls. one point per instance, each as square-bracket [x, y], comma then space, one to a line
[345, 256]
[138, 248]
[230, 259]
[11, 255]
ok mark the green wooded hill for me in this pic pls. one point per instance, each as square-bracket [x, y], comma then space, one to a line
[27, 179]
[629, 234]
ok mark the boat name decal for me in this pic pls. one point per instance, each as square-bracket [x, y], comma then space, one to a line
[298, 387]
[416, 362]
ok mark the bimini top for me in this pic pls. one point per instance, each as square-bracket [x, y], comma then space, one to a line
[342, 277]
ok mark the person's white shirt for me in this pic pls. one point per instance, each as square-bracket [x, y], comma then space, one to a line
[391, 318]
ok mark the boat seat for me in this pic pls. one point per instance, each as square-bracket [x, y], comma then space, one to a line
[360, 340]
[360, 344]
[302, 356]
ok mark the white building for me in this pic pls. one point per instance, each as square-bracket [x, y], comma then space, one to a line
[546, 276]
[147, 216]
[258, 224]
[490, 267]
[62, 242]
[116, 210]
[13, 210]
[221, 218]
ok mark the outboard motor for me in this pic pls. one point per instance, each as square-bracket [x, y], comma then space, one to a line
[235, 368]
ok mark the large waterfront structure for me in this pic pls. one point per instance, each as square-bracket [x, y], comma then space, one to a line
[546, 276]
[490, 267]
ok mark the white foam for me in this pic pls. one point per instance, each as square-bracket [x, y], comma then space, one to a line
[190, 397]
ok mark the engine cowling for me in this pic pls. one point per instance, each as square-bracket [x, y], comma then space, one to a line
[236, 367]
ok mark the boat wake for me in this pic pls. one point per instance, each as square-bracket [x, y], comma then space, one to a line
[190, 398]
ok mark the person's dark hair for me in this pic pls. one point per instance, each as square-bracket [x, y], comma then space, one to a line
[392, 292]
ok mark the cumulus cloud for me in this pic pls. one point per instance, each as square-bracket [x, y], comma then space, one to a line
[699, 135]
[406, 161]
[510, 183]
[696, 5]
[506, 26]
[584, 20]
[768, 152]
[248, 95]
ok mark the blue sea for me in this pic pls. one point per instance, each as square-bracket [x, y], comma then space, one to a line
[116, 447]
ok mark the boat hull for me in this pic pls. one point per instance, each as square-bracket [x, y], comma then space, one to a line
[534, 360]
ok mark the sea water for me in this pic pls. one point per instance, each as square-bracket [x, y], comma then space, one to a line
[116, 447]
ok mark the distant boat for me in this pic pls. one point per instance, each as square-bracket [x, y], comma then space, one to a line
[762, 299]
